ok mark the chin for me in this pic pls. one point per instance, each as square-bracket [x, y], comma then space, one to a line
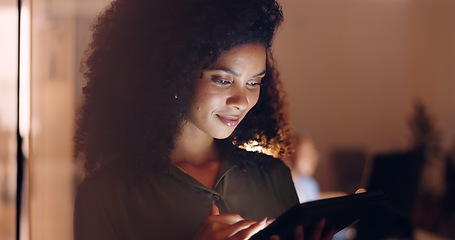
[223, 135]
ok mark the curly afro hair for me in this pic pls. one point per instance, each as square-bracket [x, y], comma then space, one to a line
[144, 54]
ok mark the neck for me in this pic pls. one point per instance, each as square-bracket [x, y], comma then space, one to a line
[194, 148]
[195, 154]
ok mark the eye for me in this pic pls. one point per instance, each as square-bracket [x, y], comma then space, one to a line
[221, 81]
[254, 83]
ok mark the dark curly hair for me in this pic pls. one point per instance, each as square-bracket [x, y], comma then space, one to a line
[140, 70]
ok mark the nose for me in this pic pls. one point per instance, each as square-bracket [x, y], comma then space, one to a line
[238, 99]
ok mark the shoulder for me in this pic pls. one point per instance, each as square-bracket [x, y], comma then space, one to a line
[104, 176]
[273, 172]
[95, 190]
[263, 160]
[266, 163]
[100, 203]
[111, 181]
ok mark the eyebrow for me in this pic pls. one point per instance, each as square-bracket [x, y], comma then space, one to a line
[233, 72]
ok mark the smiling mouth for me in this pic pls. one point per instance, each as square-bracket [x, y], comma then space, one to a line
[230, 121]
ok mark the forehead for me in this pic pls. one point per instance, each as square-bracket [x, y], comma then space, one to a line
[252, 53]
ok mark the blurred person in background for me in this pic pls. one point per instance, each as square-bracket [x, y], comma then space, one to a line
[303, 164]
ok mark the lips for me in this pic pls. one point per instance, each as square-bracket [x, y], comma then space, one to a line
[230, 121]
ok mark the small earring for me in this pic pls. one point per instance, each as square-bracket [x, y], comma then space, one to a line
[175, 96]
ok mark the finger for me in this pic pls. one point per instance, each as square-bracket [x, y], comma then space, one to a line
[360, 190]
[227, 218]
[227, 231]
[243, 226]
[213, 224]
[317, 232]
[298, 233]
[219, 229]
[246, 231]
[214, 210]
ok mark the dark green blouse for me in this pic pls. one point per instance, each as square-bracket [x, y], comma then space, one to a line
[172, 204]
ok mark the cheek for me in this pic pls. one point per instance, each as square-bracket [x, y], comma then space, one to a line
[253, 99]
[207, 101]
[203, 96]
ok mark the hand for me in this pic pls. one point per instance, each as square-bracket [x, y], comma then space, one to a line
[227, 226]
[317, 233]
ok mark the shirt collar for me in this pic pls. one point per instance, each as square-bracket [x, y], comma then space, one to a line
[225, 166]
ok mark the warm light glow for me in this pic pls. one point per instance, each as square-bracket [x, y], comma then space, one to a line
[253, 146]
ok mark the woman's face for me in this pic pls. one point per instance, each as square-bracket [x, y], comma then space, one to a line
[227, 90]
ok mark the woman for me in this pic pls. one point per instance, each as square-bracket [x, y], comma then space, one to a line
[174, 90]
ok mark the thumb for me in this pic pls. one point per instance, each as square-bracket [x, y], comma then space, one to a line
[214, 210]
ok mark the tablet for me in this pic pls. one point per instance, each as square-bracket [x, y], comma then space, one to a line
[339, 212]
